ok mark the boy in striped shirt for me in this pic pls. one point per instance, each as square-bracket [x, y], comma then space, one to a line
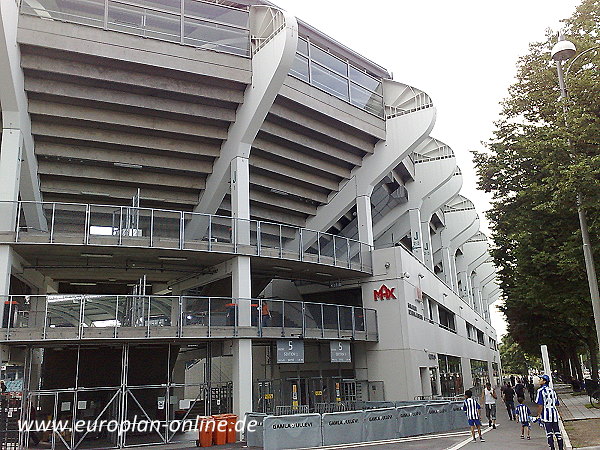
[471, 409]
[547, 401]
[522, 412]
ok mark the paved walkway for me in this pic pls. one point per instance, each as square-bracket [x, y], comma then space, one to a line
[573, 406]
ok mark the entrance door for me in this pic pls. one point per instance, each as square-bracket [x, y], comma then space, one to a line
[425, 382]
[433, 376]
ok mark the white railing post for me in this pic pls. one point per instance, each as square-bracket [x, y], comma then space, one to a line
[86, 238]
[44, 331]
[209, 232]
[334, 256]
[52, 224]
[258, 237]
[152, 227]
[181, 230]
[120, 225]
[318, 247]
[116, 317]
[349, 257]
[18, 224]
[280, 241]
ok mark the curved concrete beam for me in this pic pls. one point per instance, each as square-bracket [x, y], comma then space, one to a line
[432, 173]
[274, 50]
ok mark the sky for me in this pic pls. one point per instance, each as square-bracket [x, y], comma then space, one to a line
[463, 53]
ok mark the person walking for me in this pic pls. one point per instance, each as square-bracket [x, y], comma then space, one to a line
[488, 398]
[520, 388]
[472, 410]
[531, 389]
[547, 401]
[523, 414]
[509, 401]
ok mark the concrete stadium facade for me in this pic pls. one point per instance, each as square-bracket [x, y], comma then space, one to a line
[189, 187]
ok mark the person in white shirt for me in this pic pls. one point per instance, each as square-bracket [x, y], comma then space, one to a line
[488, 398]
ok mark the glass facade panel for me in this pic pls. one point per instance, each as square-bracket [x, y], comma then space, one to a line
[302, 46]
[300, 68]
[208, 25]
[328, 60]
[166, 5]
[450, 375]
[366, 99]
[480, 374]
[125, 18]
[366, 81]
[163, 26]
[216, 12]
[85, 12]
[213, 36]
[329, 81]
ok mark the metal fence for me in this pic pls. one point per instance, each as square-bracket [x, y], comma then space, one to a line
[69, 317]
[200, 24]
[126, 226]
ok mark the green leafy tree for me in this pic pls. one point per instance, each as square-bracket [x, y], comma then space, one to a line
[534, 167]
[514, 359]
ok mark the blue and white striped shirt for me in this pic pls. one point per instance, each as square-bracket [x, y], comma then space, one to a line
[523, 412]
[549, 401]
[470, 407]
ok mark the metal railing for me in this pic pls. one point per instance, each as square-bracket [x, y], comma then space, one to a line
[75, 316]
[125, 226]
[197, 23]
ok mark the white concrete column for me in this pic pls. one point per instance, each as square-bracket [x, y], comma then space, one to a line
[10, 169]
[426, 243]
[242, 377]
[365, 219]
[447, 265]
[465, 363]
[415, 233]
[453, 270]
[462, 277]
[241, 286]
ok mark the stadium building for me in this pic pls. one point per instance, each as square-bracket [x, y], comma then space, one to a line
[210, 207]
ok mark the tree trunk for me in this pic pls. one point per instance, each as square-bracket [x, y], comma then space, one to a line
[577, 366]
[593, 357]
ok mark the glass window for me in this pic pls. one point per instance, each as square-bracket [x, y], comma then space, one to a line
[213, 36]
[450, 375]
[366, 99]
[302, 47]
[365, 80]
[125, 18]
[300, 68]
[162, 26]
[328, 60]
[447, 319]
[215, 12]
[167, 5]
[329, 81]
[87, 12]
[480, 374]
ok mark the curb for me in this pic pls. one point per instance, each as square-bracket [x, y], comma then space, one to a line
[565, 436]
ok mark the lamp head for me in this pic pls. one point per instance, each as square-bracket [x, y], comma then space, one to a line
[563, 49]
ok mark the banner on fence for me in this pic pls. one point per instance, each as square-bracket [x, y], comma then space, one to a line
[343, 427]
[254, 435]
[288, 432]
[380, 424]
[411, 420]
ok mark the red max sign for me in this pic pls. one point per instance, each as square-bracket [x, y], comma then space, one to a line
[384, 293]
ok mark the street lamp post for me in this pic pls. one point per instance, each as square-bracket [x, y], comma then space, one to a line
[562, 51]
